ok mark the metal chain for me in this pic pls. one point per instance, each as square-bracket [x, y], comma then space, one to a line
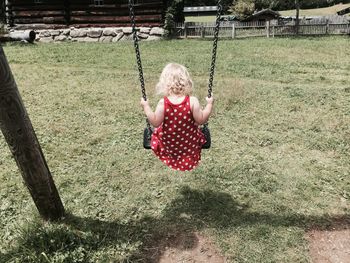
[138, 57]
[213, 58]
[215, 46]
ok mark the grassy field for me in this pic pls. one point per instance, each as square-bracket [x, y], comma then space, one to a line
[332, 10]
[279, 164]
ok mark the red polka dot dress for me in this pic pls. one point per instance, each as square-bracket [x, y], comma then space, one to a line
[178, 141]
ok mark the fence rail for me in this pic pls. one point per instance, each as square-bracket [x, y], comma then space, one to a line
[257, 29]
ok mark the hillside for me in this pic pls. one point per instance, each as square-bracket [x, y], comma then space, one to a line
[317, 11]
[303, 12]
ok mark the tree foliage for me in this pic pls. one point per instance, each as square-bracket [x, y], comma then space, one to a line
[173, 14]
[243, 8]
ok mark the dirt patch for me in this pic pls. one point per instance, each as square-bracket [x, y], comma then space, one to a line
[330, 246]
[185, 248]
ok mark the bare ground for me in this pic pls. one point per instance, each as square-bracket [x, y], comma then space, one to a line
[330, 245]
[184, 247]
[326, 246]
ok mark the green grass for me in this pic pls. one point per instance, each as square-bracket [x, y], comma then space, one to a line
[279, 163]
[200, 18]
[332, 10]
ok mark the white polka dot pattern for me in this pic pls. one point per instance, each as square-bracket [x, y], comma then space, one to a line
[178, 127]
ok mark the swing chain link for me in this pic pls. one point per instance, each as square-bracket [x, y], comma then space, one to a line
[215, 45]
[138, 59]
[213, 58]
[139, 63]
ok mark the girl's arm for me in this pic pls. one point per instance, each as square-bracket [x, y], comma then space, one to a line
[201, 116]
[155, 118]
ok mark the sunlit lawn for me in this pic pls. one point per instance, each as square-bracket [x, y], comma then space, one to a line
[279, 163]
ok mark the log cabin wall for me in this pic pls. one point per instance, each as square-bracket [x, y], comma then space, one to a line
[2, 11]
[36, 14]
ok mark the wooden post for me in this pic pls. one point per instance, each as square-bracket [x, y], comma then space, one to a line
[202, 31]
[185, 29]
[268, 28]
[67, 14]
[297, 8]
[233, 30]
[327, 27]
[20, 137]
[273, 31]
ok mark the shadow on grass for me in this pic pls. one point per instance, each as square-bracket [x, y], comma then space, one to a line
[191, 212]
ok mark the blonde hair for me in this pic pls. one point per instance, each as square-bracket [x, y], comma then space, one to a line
[174, 79]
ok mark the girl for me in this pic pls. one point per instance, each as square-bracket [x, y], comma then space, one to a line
[177, 140]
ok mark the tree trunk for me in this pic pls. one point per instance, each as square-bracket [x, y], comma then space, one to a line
[20, 137]
[297, 7]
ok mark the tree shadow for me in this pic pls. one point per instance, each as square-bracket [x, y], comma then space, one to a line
[192, 211]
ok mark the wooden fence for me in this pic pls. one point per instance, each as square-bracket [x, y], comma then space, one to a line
[257, 29]
[82, 13]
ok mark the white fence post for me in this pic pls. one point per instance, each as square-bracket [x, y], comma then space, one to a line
[233, 30]
[202, 31]
[268, 28]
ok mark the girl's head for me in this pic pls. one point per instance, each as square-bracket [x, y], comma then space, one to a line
[174, 80]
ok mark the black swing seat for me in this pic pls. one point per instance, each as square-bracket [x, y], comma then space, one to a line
[205, 130]
[147, 134]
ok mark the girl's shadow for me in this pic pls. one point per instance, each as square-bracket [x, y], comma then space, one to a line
[191, 212]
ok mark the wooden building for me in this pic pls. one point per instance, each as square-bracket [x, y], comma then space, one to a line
[36, 14]
[344, 11]
[2, 11]
[264, 15]
[200, 10]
